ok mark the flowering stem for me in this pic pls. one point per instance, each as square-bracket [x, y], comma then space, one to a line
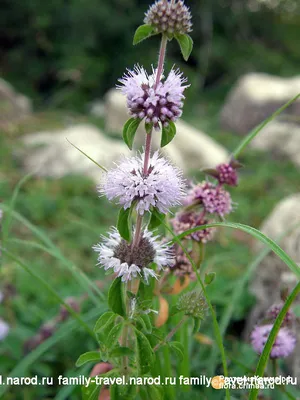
[171, 334]
[147, 152]
[161, 59]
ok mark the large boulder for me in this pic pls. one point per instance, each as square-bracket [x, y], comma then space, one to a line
[50, 153]
[272, 275]
[14, 106]
[280, 138]
[255, 97]
[190, 149]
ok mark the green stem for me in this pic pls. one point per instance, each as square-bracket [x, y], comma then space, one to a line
[171, 333]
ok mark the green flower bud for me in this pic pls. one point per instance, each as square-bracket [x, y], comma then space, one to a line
[193, 304]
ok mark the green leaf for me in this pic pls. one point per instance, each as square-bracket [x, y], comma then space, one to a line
[102, 320]
[121, 352]
[186, 45]
[147, 322]
[123, 224]
[178, 349]
[197, 323]
[129, 131]
[156, 219]
[167, 134]
[142, 33]
[114, 335]
[102, 332]
[88, 357]
[244, 143]
[116, 297]
[90, 392]
[153, 393]
[209, 278]
[145, 354]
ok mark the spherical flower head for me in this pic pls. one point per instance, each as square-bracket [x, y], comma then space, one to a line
[283, 346]
[273, 312]
[116, 254]
[4, 329]
[227, 175]
[186, 220]
[182, 266]
[162, 187]
[193, 304]
[158, 104]
[214, 199]
[169, 17]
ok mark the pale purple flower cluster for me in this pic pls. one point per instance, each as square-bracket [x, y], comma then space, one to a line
[127, 262]
[182, 266]
[275, 309]
[283, 346]
[226, 174]
[170, 17]
[214, 198]
[186, 220]
[162, 187]
[157, 104]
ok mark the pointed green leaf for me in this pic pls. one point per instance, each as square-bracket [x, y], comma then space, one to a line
[102, 320]
[186, 45]
[114, 335]
[147, 322]
[145, 354]
[116, 297]
[209, 278]
[124, 223]
[156, 219]
[142, 33]
[121, 352]
[168, 133]
[129, 131]
[178, 349]
[88, 357]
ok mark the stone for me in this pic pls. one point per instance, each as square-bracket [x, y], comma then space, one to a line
[50, 154]
[190, 149]
[14, 106]
[280, 138]
[255, 97]
[272, 275]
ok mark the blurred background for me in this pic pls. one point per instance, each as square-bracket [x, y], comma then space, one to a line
[59, 64]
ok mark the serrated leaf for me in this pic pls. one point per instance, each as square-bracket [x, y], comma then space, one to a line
[116, 298]
[88, 357]
[209, 278]
[114, 335]
[167, 134]
[186, 45]
[129, 131]
[123, 224]
[142, 33]
[102, 320]
[121, 352]
[145, 354]
[178, 349]
[156, 219]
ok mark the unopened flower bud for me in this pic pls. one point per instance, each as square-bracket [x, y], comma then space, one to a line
[193, 304]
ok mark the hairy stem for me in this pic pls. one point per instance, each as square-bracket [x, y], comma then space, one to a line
[161, 59]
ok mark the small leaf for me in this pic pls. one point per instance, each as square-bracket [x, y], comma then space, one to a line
[123, 223]
[102, 332]
[101, 321]
[121, 352]
[186, 45]
[209, 278]
[142, 33]
[88, 357]
[129, 131]
[114, 335]
[197, 323]
[116, 298]
[145, 354]
[167, 134]
[178, 349]
[147, 322]
[156, 219]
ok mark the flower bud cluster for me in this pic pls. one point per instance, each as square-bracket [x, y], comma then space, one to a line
[193, 304]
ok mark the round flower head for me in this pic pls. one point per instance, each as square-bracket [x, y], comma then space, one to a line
[214, 199]
[162, 187]
[283, 346]
[184, 221]
[157, 104]
[227, 175]
[182, 266]
[4, 329]
[118, 255]
[169, 17]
